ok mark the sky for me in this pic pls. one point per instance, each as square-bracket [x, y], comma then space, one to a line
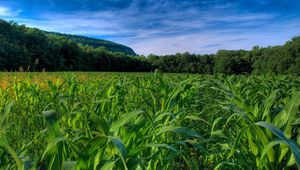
[165, 26]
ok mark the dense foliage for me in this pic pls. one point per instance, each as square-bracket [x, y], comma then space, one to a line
[144, 121]
[278, 60]
[23, 48]
[110, 46]
[35, 50]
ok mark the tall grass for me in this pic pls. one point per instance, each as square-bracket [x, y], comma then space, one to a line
[149, 121]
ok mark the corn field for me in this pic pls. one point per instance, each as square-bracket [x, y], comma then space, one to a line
[148, 121]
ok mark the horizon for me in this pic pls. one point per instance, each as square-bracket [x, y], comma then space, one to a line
[163, 27]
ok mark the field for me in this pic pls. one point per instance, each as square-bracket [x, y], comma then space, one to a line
[148, 121]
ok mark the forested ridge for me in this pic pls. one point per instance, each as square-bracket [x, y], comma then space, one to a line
[110, 46]
[23, 48]
[30, 49]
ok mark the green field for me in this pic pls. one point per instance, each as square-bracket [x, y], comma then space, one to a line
[148, 121]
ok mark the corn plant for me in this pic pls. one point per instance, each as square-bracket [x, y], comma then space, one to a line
[148, 121]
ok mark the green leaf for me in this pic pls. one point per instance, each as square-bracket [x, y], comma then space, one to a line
[12, 152]
[119, 144]
[214, 125]
[162, 146]
[237, 141]
[225, 163]
[195, 118]
[162, 115]
[269, 146]
[180, 130]
[52, 144]
[4, 115]
[109, 165]
[295, 148]
[296, 122]
[288, 114]
[69, 165]
[124, 120]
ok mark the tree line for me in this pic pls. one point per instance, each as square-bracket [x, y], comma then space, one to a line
[36, 50]
[274, 60]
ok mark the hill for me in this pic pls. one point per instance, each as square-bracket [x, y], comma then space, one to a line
[109, 45]
[32, 49]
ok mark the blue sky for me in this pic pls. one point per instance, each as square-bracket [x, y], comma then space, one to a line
[165, 26]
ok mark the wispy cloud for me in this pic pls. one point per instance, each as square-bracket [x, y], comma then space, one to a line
[7, 12]
[162, 26]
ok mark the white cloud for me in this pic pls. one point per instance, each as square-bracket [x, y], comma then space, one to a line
[7, 12]
[169, 31]
[210, 41]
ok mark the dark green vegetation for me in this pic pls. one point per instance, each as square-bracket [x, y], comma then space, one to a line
[108, 45]
[35, 50]
[23, 48]
[149, 121]
[278, 60]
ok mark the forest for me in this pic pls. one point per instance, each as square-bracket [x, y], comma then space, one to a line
[30, 49]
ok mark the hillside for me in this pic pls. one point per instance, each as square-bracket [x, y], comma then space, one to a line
[31, 49]
[110, 46]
